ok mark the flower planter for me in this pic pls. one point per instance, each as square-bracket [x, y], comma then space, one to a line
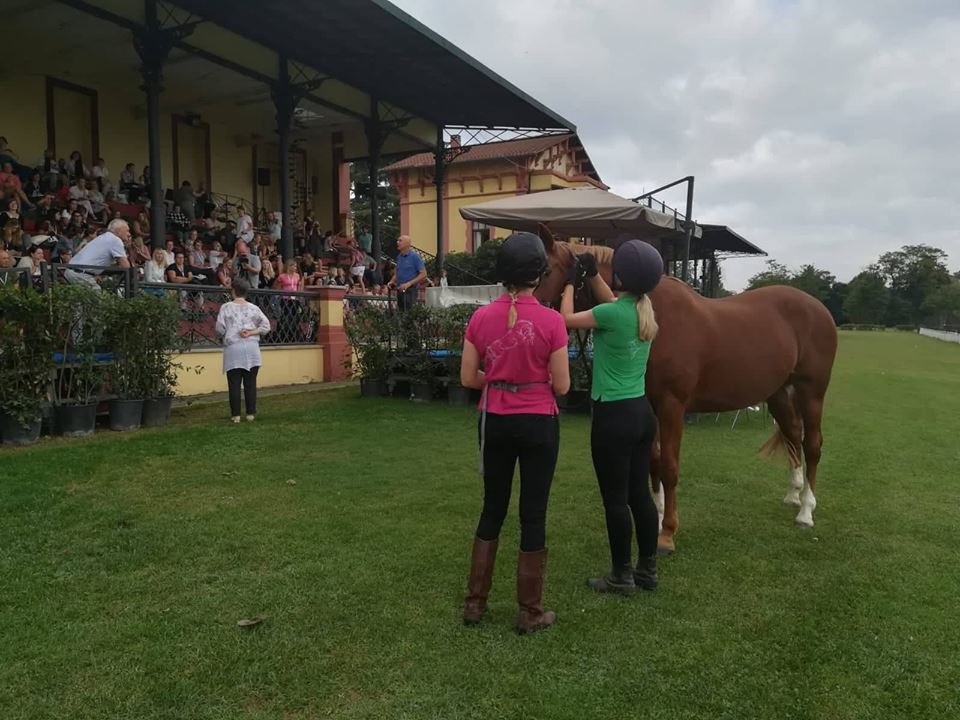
[125, 414]
[13, 433]
[75, 420]
[372, 387]
[421, 392]
[458, 396]
[156, 411]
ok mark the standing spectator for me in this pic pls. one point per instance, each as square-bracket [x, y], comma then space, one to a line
[247, 265]
[49, 170]
[11, 184]
[410, 272]
[107, 250]
[186, 200]
[241, 324]
[178, 223]
[145, 180]
[76, 169]
[205, 204]
[217, 255]
[289, 280]
[366, 240]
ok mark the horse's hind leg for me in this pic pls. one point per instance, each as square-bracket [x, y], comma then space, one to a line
[810, 404]
[784, 411]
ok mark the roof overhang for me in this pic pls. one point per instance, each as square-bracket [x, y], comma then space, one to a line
[724, 241]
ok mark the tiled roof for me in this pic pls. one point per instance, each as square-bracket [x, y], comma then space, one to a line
[497, 150]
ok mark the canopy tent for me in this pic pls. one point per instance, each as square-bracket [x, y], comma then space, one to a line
[576, 212]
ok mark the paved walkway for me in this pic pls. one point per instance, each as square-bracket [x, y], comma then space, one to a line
[262, 392]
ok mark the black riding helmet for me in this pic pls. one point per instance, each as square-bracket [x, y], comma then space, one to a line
[637, 266]
[521, 260]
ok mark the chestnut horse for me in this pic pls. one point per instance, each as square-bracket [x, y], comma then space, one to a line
[775, 345]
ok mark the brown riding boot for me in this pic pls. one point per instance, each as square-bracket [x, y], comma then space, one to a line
[531, 571]
[481, 577]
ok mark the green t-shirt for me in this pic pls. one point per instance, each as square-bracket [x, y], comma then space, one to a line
[619, 355]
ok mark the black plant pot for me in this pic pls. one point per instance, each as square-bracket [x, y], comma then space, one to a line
[75, 420]
[125, 414]
[458, 395]
[372, 387]
[13, 433]
[156, 411]
[421, 392]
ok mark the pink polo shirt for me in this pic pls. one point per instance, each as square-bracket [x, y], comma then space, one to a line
[519, 355]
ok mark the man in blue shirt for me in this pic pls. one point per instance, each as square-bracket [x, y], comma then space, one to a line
[408, 275]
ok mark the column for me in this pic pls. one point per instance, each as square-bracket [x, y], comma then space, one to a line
[438, 179]
[330, 333]
[374, 148]
[285, 103]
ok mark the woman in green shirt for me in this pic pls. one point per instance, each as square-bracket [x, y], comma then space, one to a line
[624, 426]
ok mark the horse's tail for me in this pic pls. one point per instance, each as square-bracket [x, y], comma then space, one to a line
[779, 445]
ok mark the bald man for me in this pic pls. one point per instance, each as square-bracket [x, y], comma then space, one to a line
[408, 274]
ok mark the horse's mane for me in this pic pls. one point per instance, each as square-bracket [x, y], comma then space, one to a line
[602, 253]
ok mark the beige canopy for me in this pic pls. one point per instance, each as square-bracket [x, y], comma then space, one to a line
[576, 212]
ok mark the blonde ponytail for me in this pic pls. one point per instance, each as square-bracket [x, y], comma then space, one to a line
[512, 313]
[646, 319]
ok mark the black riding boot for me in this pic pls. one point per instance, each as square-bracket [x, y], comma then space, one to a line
[619, 581]
[645, 576]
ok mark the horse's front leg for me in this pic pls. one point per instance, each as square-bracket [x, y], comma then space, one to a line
[670, 420]
[655, 482]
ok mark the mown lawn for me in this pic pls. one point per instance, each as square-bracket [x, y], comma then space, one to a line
[126, 562]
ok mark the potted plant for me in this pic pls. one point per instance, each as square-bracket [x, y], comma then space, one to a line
[454, 324]
[160, 370]
[25, 363]
[77, 328]
[365, 327]
[420, 368]
[126, 334]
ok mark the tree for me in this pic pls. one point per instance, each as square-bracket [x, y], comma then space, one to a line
[942, 307]
[913, 273]
[867, 299]
[389, 204]
[775, 274]
[818, 283]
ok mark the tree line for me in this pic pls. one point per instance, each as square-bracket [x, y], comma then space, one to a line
[911, 286]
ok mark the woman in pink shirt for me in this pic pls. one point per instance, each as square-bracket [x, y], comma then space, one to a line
[288, 322]
[523, 349]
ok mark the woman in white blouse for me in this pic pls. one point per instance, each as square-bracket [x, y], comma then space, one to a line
[154, 269]
[241, 325]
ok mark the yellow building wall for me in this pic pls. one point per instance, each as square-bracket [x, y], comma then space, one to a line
[202, 370]
[24, 123]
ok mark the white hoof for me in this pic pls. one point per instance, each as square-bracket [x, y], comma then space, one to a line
[792, 498]
[658, 501]
[804, 522]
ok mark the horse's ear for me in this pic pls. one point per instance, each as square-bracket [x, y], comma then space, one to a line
[546, 236]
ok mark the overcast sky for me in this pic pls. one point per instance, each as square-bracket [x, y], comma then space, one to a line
[824, 132]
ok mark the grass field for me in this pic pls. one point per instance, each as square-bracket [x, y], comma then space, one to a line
[127, 560]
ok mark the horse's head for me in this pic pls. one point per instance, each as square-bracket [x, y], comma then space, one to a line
[560, 257]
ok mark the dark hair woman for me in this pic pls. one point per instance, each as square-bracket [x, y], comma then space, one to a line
[624, 425]
[523, 349]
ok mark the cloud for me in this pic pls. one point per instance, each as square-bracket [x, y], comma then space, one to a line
[823, 132]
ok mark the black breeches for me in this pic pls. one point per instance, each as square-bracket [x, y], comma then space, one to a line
[534, 440]
[621, 437]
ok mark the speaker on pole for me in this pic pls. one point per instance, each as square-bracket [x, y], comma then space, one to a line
[263, 177]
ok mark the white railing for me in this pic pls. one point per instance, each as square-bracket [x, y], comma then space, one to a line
[944, 335]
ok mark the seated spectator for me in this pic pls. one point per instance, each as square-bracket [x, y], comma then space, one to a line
[97, 203]
[144, 222]
[75, 228]
[43, 209]
[179, 272]
[217, 255]
[101, 175]
[78, 194]
[224, 276]
[244, 226]
[155, 269]
[129, 185]
[169, 252]
[76, 168]
[198, 258]
[64, 257]
[6, 262]
[33, 189]
[33, 259]
[145, 180]
[268, 270]
[49, 171]
[139, 252]
[11, 225]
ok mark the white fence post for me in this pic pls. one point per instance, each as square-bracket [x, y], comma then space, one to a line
[953, 337]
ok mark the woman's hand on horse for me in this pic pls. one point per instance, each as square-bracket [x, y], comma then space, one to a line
[573, 273]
